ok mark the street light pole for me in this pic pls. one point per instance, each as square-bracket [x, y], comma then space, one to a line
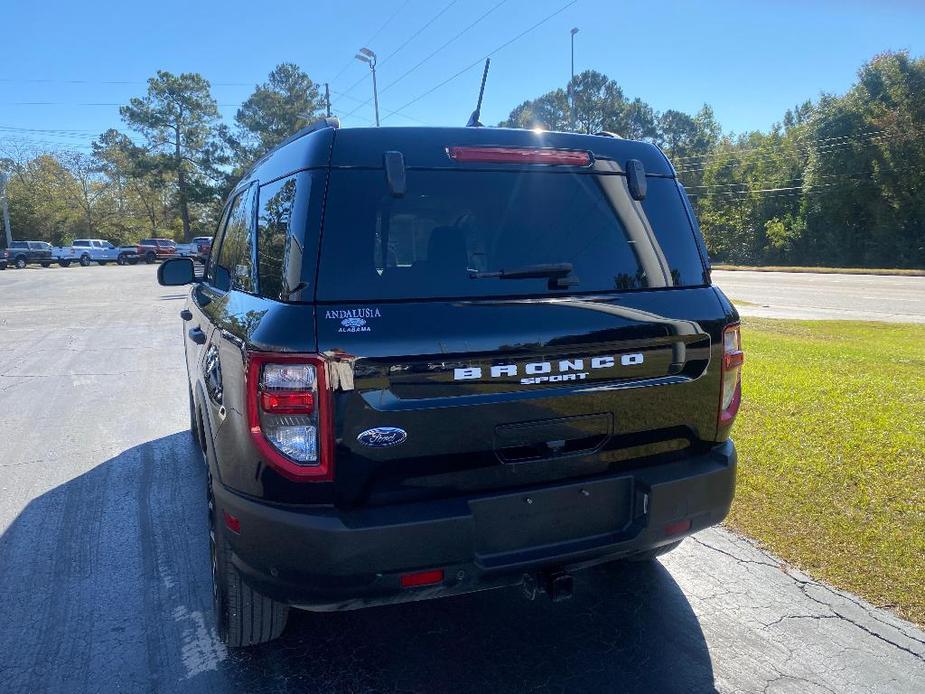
[367, 56]
[571, 84]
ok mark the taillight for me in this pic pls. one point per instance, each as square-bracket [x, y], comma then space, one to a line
[733, 357]
[520, 155]
[289, 413]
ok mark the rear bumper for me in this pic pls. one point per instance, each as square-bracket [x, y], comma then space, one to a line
[324, 559]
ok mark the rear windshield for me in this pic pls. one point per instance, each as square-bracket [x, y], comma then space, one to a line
[451, 228]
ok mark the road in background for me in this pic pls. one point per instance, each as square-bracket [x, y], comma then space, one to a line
[104, 576]
[821, 296]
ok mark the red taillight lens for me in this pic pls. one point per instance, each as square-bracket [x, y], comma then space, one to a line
[733, 358]
[422, 578]
[520, 155]
[289, 412]
[297, 402]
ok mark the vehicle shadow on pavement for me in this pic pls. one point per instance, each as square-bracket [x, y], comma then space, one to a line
[105, 586]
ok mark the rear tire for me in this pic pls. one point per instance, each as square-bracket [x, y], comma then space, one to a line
[102, 262]
[45, 264]
[150, 258]
[84, 260]
[651, 554]
[133, 261]
[20, 263]
[64, 263]
[243, 616]
[121, 260]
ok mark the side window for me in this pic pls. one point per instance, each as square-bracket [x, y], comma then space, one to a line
[235, 257]
[216, 244]
[276, 221]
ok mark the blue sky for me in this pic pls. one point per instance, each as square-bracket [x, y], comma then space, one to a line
[65, 66]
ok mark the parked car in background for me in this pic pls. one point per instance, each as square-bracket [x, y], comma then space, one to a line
[204, 246]
[21, 253]
[4, 258]
[102, 251]
[156, 249]
[187, 250]
[63, 255]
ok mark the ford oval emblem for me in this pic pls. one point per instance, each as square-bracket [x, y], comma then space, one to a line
[382, 437]
[353, 322]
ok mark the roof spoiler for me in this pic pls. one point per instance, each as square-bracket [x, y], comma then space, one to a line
[320, 124]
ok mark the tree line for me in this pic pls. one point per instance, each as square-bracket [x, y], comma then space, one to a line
[168, 175]
[838, 181]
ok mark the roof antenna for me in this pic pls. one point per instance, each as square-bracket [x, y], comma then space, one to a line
[474, 118]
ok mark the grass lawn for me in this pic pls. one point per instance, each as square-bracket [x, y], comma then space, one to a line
[823, 270]
[831, 440]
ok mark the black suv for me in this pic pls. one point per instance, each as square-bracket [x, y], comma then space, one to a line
[429, 361]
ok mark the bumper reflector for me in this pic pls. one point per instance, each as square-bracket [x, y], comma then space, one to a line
[422, 578]
[233, 523]
[678, 527]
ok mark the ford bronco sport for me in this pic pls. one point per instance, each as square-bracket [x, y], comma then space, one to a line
[429, 361]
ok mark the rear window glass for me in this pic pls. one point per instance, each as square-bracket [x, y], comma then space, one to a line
[451, 226]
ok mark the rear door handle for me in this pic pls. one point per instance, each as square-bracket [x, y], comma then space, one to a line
[186, 314]
[197, 336]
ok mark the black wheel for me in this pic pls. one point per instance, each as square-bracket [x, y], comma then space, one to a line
[150, 257]
[133, 261]
[121, 260]
[45, 264]
[102, 262]
[84, 260]
[243, 616]
[651, 554]
[20, 262]
[64, 263]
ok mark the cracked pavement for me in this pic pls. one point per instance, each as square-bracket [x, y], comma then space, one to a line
[104, 577]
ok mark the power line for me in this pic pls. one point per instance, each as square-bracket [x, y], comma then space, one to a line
[357, 100]
[457, 36]
[19, 80]
[487, 55]
[407, 41]
[777, 156]
[801, 145]
[370, 40]
[802, 138]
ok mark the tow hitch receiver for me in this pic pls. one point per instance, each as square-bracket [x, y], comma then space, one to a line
[559, 585]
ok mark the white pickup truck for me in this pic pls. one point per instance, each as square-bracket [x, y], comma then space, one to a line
[86, 251]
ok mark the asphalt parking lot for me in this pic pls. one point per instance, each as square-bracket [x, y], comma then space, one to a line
[104, 577]
[817, 296]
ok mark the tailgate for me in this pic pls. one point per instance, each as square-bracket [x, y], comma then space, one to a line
[496, 394]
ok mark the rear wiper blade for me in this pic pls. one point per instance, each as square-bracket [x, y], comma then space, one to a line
[526, 272]
[559, 274]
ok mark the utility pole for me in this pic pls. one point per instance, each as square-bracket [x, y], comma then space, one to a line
[367, 56]
[4, 179]
[571, 84]
[327, 99]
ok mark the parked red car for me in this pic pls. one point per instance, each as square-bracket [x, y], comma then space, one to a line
[156, 249]
[203, 246]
